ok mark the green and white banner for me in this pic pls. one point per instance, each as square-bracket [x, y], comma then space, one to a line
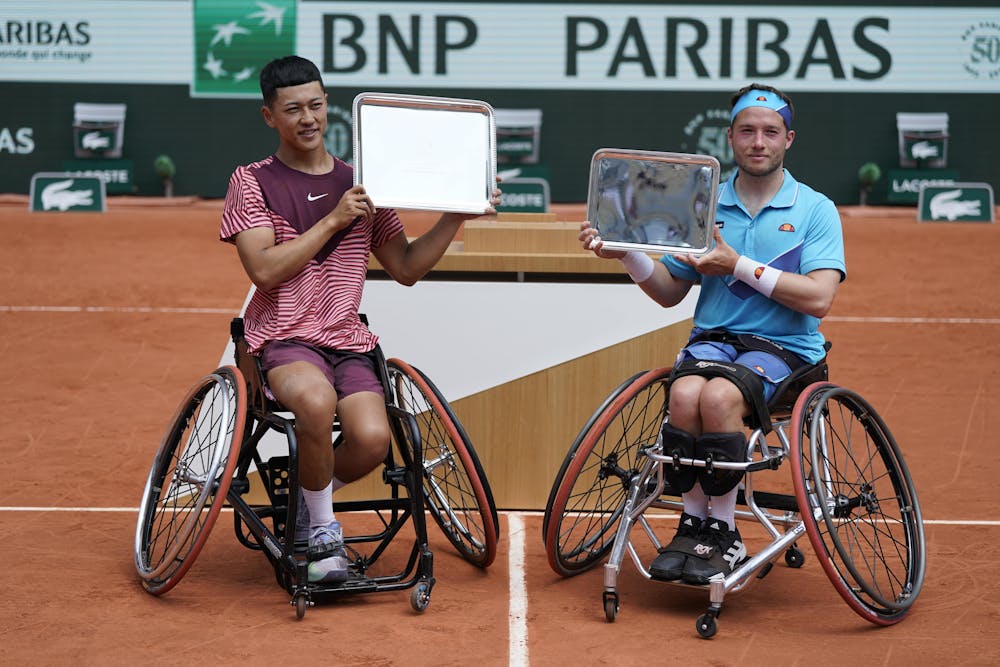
[61, 191]
[959, 202]
[217, 46]
[234, 38]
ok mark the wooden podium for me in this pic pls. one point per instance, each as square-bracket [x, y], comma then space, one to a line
[522, 428]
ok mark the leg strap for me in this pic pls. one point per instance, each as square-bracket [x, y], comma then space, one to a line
[678, 443]
[748, 382]
[720, 447]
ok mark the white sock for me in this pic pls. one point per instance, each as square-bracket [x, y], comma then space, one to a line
[320, 504]
[337, 484]
[724, 508]
[696, 502]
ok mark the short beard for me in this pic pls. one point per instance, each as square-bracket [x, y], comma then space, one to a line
[759, 172]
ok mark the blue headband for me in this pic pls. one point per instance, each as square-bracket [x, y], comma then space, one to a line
[766, 99]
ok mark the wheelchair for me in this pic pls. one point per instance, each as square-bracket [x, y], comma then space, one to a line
[853, 495]
[212, 450]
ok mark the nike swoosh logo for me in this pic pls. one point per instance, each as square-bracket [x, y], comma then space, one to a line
[310, 197]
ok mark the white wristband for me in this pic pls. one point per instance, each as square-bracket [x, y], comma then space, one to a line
[759, 276]
[638, 265]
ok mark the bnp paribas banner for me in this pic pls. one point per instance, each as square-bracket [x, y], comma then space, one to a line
[217, 46]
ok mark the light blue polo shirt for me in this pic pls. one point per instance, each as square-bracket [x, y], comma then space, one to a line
[799, 230]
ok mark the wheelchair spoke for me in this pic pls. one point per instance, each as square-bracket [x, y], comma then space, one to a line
[865, 521]
[588, 496]
[442, 472]
[456, 491]
[190, 472]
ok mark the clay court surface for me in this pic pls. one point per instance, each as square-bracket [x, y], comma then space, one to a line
[106, 319]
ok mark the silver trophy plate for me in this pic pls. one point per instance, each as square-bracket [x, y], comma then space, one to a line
[425, 153]
[653, 201]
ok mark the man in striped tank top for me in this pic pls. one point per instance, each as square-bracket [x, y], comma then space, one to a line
[304, 232]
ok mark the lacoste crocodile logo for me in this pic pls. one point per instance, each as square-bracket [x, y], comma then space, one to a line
[58, 195]
[948, 205]
[95, 141]
[923, 150]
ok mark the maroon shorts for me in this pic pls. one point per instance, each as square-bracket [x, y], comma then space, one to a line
[348, 372]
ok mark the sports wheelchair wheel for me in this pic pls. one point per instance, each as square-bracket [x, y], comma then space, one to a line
[857, 502]
[456, 491]
[589, 491]
[189, 479]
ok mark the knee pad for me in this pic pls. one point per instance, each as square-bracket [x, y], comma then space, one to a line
[720, 447]
[678, 443]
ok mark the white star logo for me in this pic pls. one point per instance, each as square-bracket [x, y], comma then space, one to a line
[213, 66]
[224, 32]
[270, 14]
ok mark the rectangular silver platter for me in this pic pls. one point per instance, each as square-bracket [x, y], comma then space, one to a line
[653, 201]
[425, 153]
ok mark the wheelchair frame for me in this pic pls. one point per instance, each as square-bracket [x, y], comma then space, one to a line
[211, 449]
[854, 501]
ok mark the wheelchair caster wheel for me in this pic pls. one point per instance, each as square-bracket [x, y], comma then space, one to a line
[794, 557]
[301, 602]
[706, 626]
[610, 606]
[420, 597]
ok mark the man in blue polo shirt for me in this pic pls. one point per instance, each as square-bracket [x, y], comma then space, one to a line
[772, 274]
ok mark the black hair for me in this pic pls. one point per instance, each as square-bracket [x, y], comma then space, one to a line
[284, 72]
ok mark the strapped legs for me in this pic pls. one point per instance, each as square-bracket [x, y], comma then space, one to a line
[678, 443]
[729, 447]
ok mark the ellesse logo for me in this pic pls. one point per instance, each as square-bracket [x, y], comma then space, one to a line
[786, 227]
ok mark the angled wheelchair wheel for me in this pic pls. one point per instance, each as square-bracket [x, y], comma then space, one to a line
[456, 491]
[590, 489]
[189, 479]
[857, 502]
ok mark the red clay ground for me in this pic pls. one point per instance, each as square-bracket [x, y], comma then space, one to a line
[86, 395]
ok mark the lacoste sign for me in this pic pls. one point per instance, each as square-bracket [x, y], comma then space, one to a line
[62, 191]
[524, 195]
[958, 202]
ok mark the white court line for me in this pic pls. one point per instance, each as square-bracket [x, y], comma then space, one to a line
[912, 320]
[116, 309]
[230, 311]
[517, 616]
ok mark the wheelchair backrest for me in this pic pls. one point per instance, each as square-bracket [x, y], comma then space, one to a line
[249, 365]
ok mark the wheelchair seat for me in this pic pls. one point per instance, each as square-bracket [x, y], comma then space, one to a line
[788, 390]
[258, 396]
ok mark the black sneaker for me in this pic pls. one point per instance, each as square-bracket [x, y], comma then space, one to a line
[719, 550]
[669, 565]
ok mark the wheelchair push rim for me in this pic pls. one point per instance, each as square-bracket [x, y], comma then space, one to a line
[857, 502]
[189, 479]
[589, 492]
[456, 490]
